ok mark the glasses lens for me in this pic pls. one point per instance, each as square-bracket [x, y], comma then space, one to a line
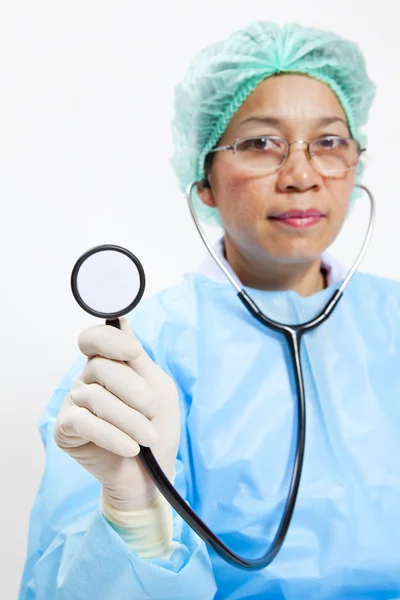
[261, 153]
[332, 155]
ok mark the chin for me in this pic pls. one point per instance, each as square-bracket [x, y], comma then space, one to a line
[300, 248]
[296, 255]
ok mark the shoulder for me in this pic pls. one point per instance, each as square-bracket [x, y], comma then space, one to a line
[375, 302]
[171, 325]
[375, 286]
[176, 306]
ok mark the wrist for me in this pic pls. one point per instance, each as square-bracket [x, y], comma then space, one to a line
[147, 530]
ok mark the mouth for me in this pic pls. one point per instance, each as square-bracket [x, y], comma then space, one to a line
[299, 219]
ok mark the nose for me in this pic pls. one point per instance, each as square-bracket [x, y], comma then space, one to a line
[297, 174]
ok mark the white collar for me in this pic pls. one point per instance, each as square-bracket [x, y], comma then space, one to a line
[208, 267]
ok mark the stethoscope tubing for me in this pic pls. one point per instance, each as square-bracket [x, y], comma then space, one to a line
[293, 334]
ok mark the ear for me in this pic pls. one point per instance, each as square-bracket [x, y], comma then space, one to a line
[206, 194]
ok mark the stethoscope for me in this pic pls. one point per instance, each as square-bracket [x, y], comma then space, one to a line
[108, 281]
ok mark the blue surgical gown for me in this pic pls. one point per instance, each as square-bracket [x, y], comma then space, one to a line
[237, 395]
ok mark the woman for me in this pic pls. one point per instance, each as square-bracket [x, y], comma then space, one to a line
[268, 122]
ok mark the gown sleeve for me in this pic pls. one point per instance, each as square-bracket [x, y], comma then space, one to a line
[74, 554]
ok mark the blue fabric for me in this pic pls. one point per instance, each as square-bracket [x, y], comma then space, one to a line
[236, 452]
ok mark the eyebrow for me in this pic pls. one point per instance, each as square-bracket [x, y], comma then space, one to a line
[275, 122]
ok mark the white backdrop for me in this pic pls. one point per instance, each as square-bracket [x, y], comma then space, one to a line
[85, 110]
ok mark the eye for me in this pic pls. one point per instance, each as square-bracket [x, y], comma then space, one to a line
[261, 143]
[330, 142]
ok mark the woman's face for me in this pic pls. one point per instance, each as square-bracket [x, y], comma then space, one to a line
[294, 107]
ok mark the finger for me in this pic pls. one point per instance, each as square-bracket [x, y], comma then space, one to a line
[108, 407]
[110, 342]
[75, 424]
[122, 381]
[142, 364]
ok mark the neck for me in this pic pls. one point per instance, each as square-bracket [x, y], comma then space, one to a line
[304, 278]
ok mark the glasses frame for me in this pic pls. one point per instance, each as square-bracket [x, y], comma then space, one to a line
[233, 148]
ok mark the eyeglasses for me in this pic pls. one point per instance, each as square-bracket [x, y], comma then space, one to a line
[329, 155]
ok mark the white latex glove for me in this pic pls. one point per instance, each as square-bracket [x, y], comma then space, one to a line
[120, 400]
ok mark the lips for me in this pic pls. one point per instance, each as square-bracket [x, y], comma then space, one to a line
[299, 219]
[298, 214]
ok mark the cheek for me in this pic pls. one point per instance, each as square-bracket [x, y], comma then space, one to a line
[241, 199]
[340, 193]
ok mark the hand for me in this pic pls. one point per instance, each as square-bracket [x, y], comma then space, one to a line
[121, 399]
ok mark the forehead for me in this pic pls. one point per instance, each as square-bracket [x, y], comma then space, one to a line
[290, 96]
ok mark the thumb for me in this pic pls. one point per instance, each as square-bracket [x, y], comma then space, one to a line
[101, 340]
[142, 363]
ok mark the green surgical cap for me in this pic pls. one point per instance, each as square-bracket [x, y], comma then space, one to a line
[224, 74]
